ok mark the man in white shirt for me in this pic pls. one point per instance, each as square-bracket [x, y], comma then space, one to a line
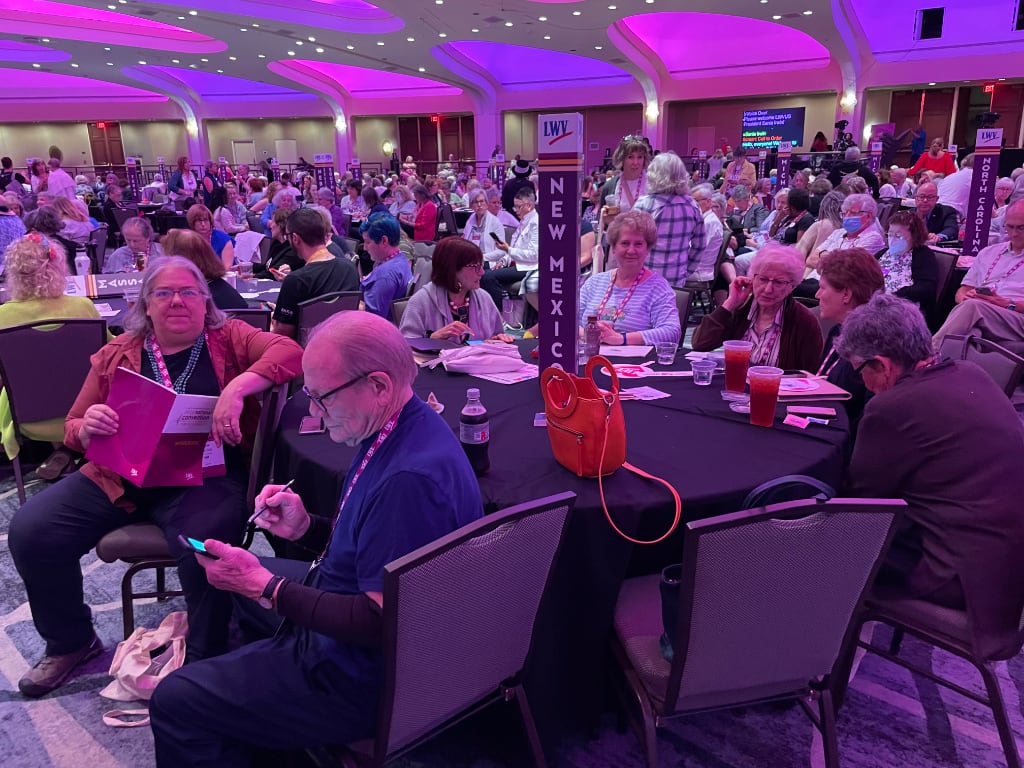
[955, 189]
[60, 183]
[702, 194]
[521, 255]
[987, 300]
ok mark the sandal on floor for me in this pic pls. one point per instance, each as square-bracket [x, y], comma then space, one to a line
[56, 465]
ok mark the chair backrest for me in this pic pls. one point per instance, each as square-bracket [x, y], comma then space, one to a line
[398, 310]
[97, 246]
[826, 325]
[446, 224]
[945, 262]
[257, 318]
[684, 304]
[351, 244]
[263, 252]
[121, 215]
[35, 391]
[767, 596]
[459, 616]
[887, 206]
[509, 231]
[271, 405]
[314, 311]
[1005, 367]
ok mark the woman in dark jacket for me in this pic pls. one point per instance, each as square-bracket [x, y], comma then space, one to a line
[908, 264]
[282, 258]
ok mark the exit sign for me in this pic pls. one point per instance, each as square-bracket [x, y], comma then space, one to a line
[990, 87]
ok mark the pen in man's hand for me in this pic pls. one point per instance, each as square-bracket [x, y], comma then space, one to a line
[263, 509]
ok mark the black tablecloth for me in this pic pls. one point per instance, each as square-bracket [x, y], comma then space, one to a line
[712, 456]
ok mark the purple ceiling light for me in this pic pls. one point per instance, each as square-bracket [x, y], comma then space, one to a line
[522, 68]
[210, 87]
[12, 50]
[32, 87]
[92, 25]
[364, 83]
[339, 15]
[690, 45]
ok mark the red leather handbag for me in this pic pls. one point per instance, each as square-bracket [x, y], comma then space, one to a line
[588, 432]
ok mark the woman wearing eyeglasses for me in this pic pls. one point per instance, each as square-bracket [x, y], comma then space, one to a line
[451, 306]
[175, 336]
[760, 309]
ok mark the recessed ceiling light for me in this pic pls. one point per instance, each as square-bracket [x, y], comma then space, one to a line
[254, 24]
[350, 47]
[508, 23]
[438, 2]
[175, 61]
[612, 7]
[298, 42]
[37, 66]
[46, 39]
[808, 13]
[110, 63]
[380, 42]
[474, 29]
[106, 48]
[205, 61]
[260, 56]
[181, 18]
[598, 47]
[763, 2]
[193, 13]
[242, 29]
[191, 66]
[75, 66]
[123, 2]
[311, 39]
[1001, 79]
[410, 39]
[776, 17]
[423, 69]
[650, 2]
[112, 7]
[232, 58]
[577, 13]
[542, 18]
[547, 37]
[141, 62]
[319, 50]
[931, 83]
[291, 53]
[220, 71]
[442, 34]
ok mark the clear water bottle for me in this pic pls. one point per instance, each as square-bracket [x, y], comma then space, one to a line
[475, 432]
[591, 338]
[507, 310]
[82, 264]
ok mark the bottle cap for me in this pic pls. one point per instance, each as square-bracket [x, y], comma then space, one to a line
[473, 392]
[592, 319]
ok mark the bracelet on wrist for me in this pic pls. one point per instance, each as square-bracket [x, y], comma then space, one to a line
[625, 340]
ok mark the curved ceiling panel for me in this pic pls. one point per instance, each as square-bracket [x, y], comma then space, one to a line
[29, 86]
[14, 50]
[364, 83]
[353, 16]
[692, 45]
[92, 25]
[212, 87]
[967, 25]
[522, 68]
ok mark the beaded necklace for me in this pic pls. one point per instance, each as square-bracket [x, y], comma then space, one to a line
[156, 361]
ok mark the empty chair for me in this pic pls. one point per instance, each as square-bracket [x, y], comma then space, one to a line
[397, 310]
[447, 657]
[944, 262]
[257, 318]
[766, 597]
[314, 311]
[36, 391]
[97, 247]
[1005, 367]
[684, 304]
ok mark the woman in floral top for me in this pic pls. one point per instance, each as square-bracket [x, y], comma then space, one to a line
[908, 264]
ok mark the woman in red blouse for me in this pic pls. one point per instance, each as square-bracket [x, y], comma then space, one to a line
[936, 159]
[425, 224]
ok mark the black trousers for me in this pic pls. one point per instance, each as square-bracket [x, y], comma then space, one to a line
[495, 281]
[52, 531]
[274, 694]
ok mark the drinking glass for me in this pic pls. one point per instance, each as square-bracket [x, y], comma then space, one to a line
[666, 352]
[764, 394]
[703, 370]
[737, 359]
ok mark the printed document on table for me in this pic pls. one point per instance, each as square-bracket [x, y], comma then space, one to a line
[626, 350]
[525, 373]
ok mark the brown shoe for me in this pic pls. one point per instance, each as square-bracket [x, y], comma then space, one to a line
[51, 671]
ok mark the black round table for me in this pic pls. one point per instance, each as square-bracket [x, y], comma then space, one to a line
[711, 455]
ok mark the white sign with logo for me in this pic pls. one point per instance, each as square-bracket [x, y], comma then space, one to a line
[324, 157]
[988, 138]
[560, 133]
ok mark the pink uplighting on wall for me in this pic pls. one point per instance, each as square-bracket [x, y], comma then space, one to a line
[372, 83]
[13, 50]
[696, 45]
[92, 25]
[29, 86]
[522, 68]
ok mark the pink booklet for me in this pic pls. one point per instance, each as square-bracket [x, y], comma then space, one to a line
[164, 437]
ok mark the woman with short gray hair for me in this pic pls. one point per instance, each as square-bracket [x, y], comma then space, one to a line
[944, 437]
[681, 230]
[759, 309]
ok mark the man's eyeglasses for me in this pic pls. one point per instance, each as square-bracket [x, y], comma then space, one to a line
[926, 197]
[1014, 227]
[166, 294]
[319, 399]
[860, 367]
[776, 282]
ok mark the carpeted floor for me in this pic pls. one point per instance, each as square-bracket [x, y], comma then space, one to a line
[890, 718]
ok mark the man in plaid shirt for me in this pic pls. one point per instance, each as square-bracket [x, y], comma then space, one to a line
[681, 236]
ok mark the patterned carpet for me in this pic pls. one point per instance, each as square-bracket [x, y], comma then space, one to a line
[890, 718]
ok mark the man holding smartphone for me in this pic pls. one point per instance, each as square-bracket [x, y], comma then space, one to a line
[991, 298]
[317, 682]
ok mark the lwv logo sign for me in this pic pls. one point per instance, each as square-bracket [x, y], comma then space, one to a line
[556, 130]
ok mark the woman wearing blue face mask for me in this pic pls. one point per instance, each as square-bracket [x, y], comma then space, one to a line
[908, 264]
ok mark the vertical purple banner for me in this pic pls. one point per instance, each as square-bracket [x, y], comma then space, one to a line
[133, 177]
[762, 161]
[560, 164]
[222, 169]
[785, 151]
[356, 167]
[162, 163]
[324, 164]
[983, 183]
[875, 159]
[496, 170]
[275, 170]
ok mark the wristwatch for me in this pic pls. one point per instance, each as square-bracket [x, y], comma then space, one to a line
[1012, 306]
[265, 600]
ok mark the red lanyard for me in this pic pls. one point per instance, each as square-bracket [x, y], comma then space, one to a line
[995, 261]
[386, 430]
[161, 366]
[620, 311]
[823, 371]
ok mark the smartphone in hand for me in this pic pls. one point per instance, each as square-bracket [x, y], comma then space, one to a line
[495, 238]
[196, 546]
[984, 290]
